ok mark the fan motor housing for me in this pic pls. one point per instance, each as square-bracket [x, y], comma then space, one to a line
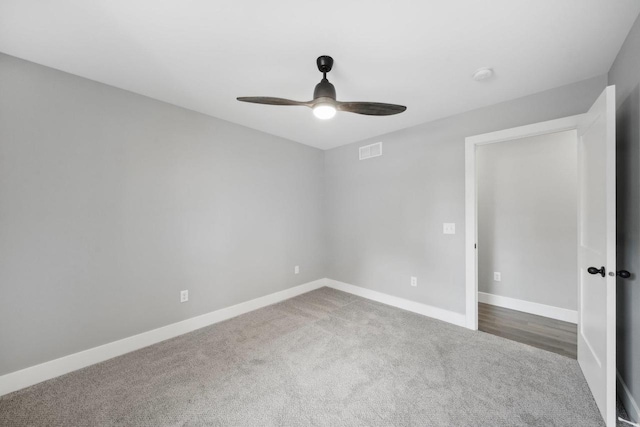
[324, 89]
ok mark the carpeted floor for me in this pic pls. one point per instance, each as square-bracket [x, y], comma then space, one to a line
[325, 358]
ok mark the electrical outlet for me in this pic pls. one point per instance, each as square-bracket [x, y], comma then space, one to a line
[296, 269]
[414, 281]
[184, 296]
[449, 228]
[497, 277]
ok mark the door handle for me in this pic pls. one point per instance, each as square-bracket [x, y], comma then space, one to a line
[623, 274]
[593, 270]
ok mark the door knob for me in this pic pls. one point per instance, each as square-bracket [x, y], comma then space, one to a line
[623, 274]
[593, 270]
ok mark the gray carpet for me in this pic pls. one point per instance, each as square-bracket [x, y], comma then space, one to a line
[325, 358]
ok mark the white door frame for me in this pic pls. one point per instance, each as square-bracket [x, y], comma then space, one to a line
[471, 202]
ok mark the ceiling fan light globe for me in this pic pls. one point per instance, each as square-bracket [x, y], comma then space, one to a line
[324, 111]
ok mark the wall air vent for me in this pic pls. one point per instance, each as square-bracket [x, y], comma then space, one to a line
[369, 151]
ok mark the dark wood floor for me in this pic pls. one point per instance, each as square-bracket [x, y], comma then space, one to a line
[541, 332]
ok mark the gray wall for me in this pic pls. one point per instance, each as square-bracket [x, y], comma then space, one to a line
[385, 215]
[111, 203]
[528, 219]
[625, 74]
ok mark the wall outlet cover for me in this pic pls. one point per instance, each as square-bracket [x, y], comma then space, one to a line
[414, 281]
[184, 296]
[497, 277]
[296, 269]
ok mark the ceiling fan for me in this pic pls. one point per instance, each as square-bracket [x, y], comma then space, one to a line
[324, 102]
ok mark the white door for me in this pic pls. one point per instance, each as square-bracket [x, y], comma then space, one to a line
[597, 252]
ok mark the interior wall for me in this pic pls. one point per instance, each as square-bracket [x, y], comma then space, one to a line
[625, 74]
[111, 203]
[385, 215]
[528, 219]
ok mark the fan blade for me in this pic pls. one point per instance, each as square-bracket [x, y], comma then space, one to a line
[371, 108]
[272, 101]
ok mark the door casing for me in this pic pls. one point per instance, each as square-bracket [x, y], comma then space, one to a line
[471, 201]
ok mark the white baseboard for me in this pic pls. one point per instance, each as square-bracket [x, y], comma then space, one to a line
[550, 311]
[627, 400]
[416, 307]
[54, 368]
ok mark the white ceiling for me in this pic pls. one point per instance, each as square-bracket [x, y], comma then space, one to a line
[202, 54]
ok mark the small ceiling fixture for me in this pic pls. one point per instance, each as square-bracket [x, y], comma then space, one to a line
[483, 73]
[324, 103]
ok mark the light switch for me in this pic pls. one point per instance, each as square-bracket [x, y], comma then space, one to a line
[449, 228]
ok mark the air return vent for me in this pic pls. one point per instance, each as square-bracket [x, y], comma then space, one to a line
[369, 151]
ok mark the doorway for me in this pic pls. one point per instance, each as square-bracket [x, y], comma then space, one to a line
[527, 240]
[472, 145]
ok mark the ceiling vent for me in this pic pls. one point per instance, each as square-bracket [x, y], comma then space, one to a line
[369, 151]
